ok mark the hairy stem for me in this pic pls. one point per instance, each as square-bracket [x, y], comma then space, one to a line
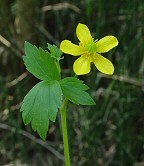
[64, 132]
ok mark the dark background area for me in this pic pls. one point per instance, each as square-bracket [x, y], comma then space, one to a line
[108, 134]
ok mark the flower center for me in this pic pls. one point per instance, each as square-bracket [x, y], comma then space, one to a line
[91, 47]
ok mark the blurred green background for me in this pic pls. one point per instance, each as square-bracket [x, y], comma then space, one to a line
[108, 134]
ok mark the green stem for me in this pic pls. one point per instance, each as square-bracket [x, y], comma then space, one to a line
[64, 131]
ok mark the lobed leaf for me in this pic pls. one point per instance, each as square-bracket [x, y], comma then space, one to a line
[40, 63]
[74, 90]
[41, 105]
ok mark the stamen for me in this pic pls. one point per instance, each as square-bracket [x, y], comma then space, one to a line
[91, 47]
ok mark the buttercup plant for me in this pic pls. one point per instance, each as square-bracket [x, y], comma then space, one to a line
[43, 101]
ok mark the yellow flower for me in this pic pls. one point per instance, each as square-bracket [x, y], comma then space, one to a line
[89, 50]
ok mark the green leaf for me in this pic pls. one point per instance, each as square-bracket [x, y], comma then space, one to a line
[41, 105]
[55, 52]
[74, 90]
[40, 63]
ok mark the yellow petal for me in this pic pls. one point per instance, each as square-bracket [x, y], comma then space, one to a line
[69, 48]
[103, 65]
[83, 34]
[106, 43]
[82, 66]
